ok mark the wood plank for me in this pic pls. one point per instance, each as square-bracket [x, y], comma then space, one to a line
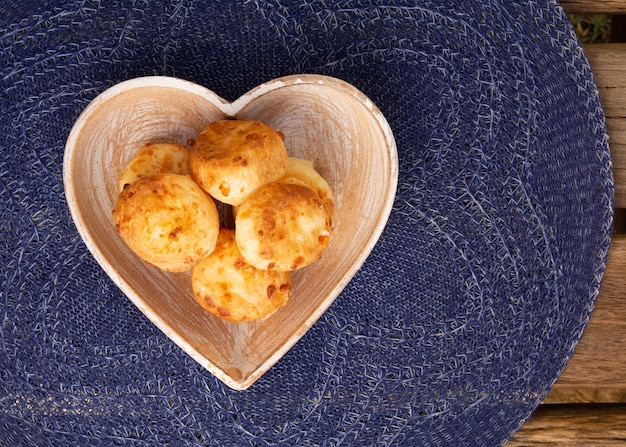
[594, 6]
[619, 221]
[608, 62]
[606, 56]
[598, 361]
[586, 396]
[574, 425]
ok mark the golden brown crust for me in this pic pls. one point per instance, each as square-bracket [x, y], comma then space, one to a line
[228, 287]
[283, 226]
[304, 171]
[231, 158]
[155, 158]
[167, 220]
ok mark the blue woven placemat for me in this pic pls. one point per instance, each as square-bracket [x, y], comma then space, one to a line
[457, 325]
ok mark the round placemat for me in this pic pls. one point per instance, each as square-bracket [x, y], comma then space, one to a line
[460, 320]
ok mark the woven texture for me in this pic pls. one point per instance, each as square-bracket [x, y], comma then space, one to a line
[461, 319]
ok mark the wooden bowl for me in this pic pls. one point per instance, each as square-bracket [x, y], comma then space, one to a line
[324, 120]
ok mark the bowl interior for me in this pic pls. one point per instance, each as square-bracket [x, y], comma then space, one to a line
[324, 120]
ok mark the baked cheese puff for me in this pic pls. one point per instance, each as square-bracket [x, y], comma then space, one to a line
[304, 171]
[168, 220]
[283, 226]
[155, 158]
[231, 158]
[228, 287]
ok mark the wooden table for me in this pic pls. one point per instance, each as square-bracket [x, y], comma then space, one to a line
[587, 405]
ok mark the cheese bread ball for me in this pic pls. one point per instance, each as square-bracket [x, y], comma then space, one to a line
[155, 158]
[231, 158]
[304, 171]
[228, 287]
[283, 226]
[168, 220]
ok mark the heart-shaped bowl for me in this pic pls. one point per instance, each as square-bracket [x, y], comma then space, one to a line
[324, 120]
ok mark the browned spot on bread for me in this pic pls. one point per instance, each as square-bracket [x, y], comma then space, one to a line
[271, 289]
[224, 189]
[174, 233]
[297, 263]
